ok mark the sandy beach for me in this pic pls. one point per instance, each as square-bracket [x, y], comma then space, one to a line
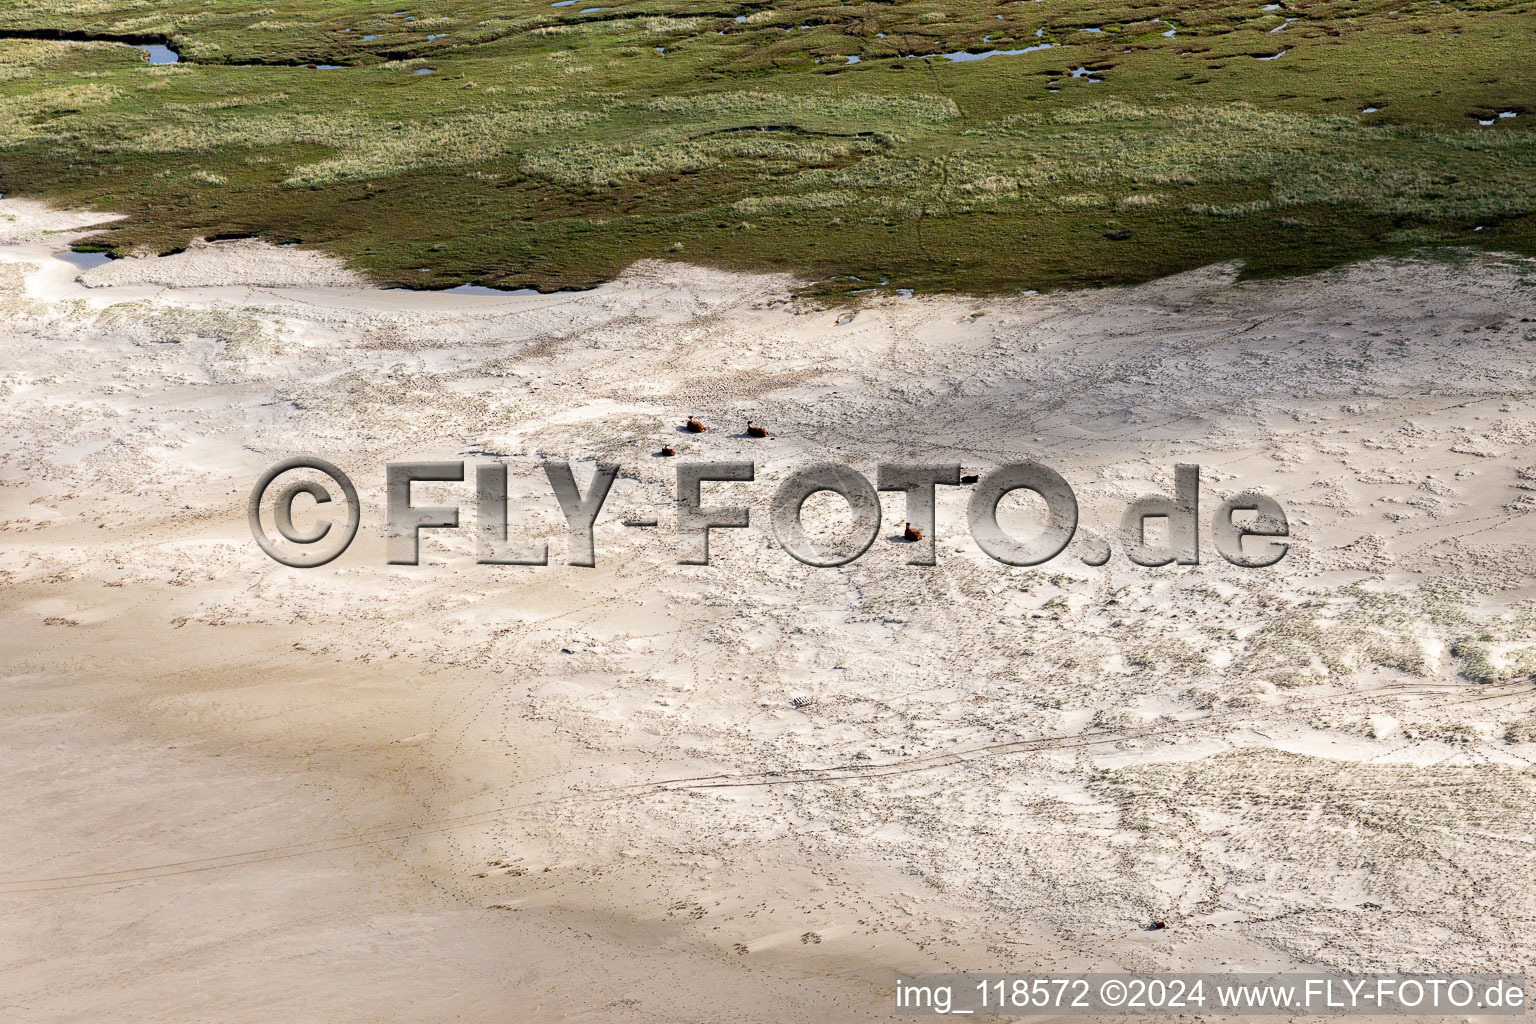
[753, 790]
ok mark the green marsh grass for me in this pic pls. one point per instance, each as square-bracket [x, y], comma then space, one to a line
[552, 147]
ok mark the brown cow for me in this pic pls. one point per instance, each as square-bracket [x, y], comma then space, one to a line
[694, 426]
[911, 534]
[753, 430]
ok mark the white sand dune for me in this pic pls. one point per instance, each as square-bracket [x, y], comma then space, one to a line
[241, 792]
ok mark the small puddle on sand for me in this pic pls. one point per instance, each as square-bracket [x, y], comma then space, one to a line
[1086, 75]
[1503, 114]
[480, 289]
[84, 260]
[425, 71]
[466, 289]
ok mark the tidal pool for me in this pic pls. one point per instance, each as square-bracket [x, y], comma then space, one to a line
[159, 54]
[962, 55]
